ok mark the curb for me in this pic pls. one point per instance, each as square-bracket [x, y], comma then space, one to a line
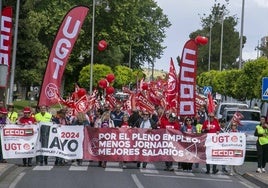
[254, 180]
[6, 170]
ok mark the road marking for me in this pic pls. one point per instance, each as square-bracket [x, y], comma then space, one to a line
[78, 168]
[137, 181]
[43, 168]
[194, 178]
[184, 174]
[16, 181]
[107, 169]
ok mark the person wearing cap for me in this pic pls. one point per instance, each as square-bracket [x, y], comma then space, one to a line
[145, 122]
[27, 119]
[3, 121]
[171, 123]
[45, 117]
[211, 126]
[12, 114]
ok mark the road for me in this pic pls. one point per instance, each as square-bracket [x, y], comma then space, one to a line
[90, 175]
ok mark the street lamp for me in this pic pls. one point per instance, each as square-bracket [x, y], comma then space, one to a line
[222, 20]
[209, 47]
[107, 9]
[241, 34]
[82, 53]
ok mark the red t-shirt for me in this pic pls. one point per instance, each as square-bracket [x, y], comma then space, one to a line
[170, 125]
[211, 126]
[27, 120]
[124, 125]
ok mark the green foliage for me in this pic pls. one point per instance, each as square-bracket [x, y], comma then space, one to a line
[138, 26]
[124, 76]
[240, 84]
[99, 72]
[231, 41]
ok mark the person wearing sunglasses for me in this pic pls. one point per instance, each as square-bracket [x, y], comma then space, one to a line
[188, 128]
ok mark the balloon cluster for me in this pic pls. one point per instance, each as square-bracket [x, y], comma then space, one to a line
[105, 84]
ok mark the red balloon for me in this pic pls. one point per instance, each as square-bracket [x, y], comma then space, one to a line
[102, 45]
[110, 78]
[145, 86]
[201, 40]
[81, 92]
[109, 90]
[103, 83]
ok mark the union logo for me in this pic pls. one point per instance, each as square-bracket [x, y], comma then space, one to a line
[51, 91]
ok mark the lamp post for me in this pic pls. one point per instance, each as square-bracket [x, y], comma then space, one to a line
[92, 47]
[209, 47]
[241, 34]
[12, 75]
[222, 20]
[107, 9]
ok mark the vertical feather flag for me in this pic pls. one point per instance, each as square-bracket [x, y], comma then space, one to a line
[59, 55]
[187, 79]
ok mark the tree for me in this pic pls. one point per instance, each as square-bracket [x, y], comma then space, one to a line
[131, 26]
[231, 42]
[100, 72]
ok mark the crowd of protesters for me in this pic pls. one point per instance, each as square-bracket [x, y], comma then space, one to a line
[105, 117]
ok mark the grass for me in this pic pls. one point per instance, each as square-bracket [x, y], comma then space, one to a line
[19, 105]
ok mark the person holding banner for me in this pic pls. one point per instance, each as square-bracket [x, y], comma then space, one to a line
[211, 126]
[104, 122]
[27, 119]
[3, 121]
[172, 123]
[145, 122]
[12, 114]
[43, 116]
[188, 128]
[261, 132]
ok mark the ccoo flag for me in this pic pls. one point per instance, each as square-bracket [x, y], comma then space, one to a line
[60, 52]
[187, 79]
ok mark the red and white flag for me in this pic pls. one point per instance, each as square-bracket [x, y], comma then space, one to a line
[210, 104]
[59, 55]
[6, 45]
[171, 94]
[237, 117]
[187, 80]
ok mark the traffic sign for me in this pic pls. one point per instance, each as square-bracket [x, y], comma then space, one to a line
[265, 88]
[207, 90]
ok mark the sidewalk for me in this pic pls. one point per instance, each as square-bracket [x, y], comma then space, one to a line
[6, 168]
[247, 171]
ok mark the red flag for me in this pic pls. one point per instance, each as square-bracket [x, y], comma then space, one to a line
[237, 117]
[210, 104]
[6, 45]
[187, 80]
[61, 50]
[171, 94]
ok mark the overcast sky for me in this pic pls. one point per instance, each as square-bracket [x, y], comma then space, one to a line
[184, 17]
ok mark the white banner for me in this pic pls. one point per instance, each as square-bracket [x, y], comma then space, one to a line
[226, 148]
[19, 141]
[64, 141]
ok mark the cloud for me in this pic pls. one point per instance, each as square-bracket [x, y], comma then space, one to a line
[262, 3]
